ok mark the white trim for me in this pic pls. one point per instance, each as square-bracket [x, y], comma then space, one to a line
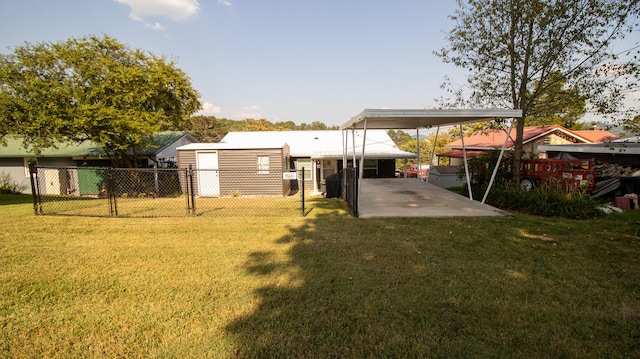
[420, 118]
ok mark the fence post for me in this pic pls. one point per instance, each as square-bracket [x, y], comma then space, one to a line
[111, 192]
[35, 191]
[191, 192]
[302, 192]
[184, 187]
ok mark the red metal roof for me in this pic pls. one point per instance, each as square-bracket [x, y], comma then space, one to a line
[490, 139]
[596, 136]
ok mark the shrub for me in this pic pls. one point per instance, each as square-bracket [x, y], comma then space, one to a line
[9, 186]
[550, 200]
[553, 198]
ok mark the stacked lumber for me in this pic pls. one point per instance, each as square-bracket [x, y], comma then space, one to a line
[612, 170]
[608, 175]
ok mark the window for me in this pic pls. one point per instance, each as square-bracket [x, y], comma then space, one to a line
[26, 165]
[306, 164]
[263, 165]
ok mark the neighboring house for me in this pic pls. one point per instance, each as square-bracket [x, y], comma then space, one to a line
[484, 141]
[321, 154]
[226, 170]
[15, 159]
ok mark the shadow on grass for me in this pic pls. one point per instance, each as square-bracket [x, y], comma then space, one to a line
[6, 199]
[480, 287]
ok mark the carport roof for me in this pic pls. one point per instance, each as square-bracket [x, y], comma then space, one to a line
[420, 118]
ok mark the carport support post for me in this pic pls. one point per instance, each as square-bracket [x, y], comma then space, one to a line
[466, 165]
[495, 170]
[361, 169]
[353, 145]
[433, 152]
[419, 165]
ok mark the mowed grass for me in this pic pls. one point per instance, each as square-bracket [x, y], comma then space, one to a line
[326, 285]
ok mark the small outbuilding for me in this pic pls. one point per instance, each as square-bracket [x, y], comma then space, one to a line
[15, 160]
[222, 169]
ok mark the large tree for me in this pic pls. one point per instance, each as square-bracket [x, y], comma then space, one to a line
[92, 89]
[558, 105]
[517, 51]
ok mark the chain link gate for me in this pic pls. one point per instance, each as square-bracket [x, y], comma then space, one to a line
[162, 192]
[350, 181]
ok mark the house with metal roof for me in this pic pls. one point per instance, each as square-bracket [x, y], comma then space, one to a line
[481, 142]
[15, 158]
[320, 153]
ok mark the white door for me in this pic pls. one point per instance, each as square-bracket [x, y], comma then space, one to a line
[52, 181]
[208, 175]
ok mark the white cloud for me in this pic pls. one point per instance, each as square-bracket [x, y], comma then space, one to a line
[175, 10]
[248, 112]
[209, 109]
[155, 26]
[224, 2]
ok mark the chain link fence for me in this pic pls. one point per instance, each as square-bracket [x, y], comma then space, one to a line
[350, 180]
[120, 192]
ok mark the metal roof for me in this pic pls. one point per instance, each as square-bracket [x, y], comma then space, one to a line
[229, 146]
[492, 139]
[14, 147]
[421, 118]
[325, 144]
[613, 148]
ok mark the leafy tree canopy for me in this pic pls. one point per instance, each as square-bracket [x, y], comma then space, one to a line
[518, 51]
[94, 89]
[428, 151]
[558, 105]
[632, 127]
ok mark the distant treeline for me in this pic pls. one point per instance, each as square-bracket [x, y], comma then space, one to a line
[211, 129]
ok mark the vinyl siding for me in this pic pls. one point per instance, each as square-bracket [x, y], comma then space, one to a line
[238, 171]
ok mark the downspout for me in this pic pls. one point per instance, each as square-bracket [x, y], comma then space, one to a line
[466, 165]
[495, 170]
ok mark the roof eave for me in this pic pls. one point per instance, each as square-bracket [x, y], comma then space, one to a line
[420, 118]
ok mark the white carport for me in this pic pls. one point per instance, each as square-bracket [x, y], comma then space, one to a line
[406, 119]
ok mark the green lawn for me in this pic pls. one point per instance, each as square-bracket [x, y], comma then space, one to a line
[326, 285]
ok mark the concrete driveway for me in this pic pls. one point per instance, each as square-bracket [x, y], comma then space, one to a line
[410, 197]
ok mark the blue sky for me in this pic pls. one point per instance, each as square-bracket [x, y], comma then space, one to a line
[283, 60]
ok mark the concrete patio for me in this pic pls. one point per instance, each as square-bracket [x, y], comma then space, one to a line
[410, 197]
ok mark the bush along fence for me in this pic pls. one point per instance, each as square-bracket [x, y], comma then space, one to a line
[172, 192]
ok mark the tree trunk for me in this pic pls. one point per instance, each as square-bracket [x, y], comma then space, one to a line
[517, 149]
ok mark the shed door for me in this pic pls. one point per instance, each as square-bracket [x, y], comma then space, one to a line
[208, 175]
